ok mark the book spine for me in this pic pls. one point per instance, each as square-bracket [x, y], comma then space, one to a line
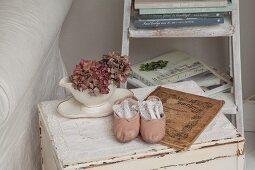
[184, 4]
[135, 82]
[146, 11]
[161, 23]
[142, 79]
[185, 15]
[169, 78]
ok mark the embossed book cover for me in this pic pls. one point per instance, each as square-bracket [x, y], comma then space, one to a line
[187, 115]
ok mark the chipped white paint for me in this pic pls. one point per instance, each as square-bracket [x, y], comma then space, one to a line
[125, 34]
[209, 158]
[126, 23]
[237, 66]
[229, 106]
[85, 143]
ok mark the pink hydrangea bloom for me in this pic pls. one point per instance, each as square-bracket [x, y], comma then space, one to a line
[96, 76]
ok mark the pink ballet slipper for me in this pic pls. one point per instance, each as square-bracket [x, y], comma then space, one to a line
[126, 129]
[153, 130]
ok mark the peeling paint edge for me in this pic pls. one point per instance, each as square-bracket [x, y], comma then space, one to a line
[199, 162]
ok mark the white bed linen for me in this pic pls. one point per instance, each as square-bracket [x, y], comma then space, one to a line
[19, 140]
[30, 68]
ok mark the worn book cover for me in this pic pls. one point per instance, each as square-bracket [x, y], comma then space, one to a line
[182, 15]
[177, 22]
[178, 3]
[183, 67]
[179, 67]
[177, 10]
[187, 115]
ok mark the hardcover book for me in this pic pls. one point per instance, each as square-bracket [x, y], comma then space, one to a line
[187, 115]
[227, 8]
[185, 15]
[183, 67]
[178, 3]
[177, 22]
[180, 66]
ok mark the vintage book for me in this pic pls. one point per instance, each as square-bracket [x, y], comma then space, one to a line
[185, 15]
[205, 80]
[187, 115]
[182, 67]
[227, 8]
[224, 86]
[139, 4]
[177, 22]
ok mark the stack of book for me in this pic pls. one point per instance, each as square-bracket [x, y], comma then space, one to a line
[178, 66]
[177, 13]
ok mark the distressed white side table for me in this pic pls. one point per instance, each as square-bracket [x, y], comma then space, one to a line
[70, 144]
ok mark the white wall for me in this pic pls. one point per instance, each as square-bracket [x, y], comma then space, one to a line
[248, 46]
[94, 27]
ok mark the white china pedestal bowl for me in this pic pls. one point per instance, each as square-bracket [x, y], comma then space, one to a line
[83, 105]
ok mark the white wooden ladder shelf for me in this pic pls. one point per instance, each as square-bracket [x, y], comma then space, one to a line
[230, 29]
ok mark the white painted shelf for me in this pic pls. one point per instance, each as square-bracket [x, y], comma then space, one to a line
[221, 30]
[229, 107]
[230, 28]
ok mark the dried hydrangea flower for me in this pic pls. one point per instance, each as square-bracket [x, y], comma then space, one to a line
[95, 77]
[91, 76]
[118, 66]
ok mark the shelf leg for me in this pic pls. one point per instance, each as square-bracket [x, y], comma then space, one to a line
[230, 43]
[125, 34]
[237, 67]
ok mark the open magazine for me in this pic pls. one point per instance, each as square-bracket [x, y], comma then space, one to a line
[181, 67]
[212, 81]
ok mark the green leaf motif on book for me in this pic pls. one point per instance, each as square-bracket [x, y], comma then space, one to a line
[153, 65]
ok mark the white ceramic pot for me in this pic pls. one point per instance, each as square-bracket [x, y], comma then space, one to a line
[84, 97]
